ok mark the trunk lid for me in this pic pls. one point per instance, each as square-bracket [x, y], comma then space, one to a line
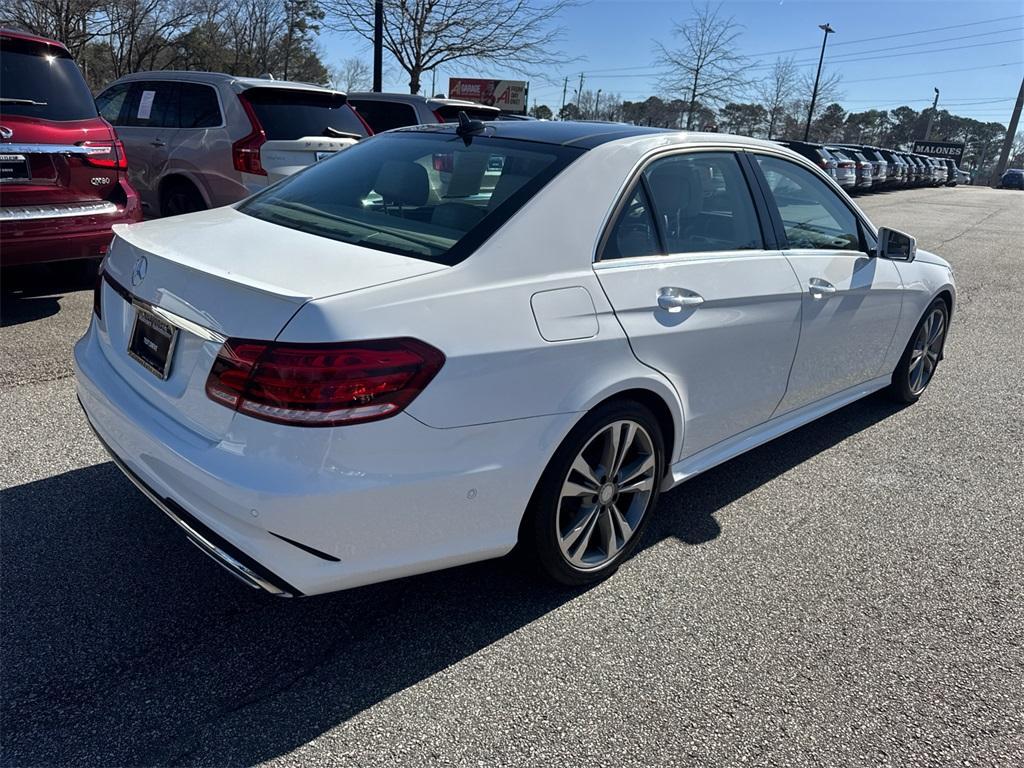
[231, 274]
[283, 157]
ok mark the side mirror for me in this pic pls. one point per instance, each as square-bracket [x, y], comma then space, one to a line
[895, 245]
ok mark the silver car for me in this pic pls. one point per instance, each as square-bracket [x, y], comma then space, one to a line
[384, 111]
[199, 140]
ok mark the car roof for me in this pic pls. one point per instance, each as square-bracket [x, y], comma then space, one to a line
[17, 35]
[214, 78]
[587, 135]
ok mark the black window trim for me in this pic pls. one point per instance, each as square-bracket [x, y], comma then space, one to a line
[636, 177]
[122, 116]
[864, 227]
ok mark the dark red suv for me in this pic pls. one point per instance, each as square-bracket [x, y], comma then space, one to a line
[63, 180]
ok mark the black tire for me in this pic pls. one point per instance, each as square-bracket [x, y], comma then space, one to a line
[178, 197]
[902, 388]
[539, 538]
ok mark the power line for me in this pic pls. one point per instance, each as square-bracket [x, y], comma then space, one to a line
[890, 37]
[930, 74]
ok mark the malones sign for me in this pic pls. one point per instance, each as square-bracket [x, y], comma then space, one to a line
[952, 150]
[506, 95]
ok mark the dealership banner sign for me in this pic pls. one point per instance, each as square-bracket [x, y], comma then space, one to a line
[952, 150]
[506, 95]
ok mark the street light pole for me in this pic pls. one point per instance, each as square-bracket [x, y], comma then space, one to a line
[378, 46]
[597, 105]
[931, 117]
[814, 94]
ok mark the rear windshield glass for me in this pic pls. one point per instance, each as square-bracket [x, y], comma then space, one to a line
[296, 114]
[425, 195]
[450, 113]
[42, 81]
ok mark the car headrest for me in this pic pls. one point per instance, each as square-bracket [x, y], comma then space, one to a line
[404, 183]
[676, 187]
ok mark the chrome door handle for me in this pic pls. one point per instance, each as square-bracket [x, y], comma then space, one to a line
[820, 288]
[676, 299]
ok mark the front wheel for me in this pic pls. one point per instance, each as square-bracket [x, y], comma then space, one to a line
[922, 355]
[596, 495]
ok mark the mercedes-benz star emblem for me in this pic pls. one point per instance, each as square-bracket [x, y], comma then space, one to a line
[5, 132]
[139, 270]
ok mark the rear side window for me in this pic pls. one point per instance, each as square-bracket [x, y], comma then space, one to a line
[429, 196]
[703, 203]
[635, 232]
[289, 115]
[42, 81]
[385, 115]
[152, 104]
[111, 102]
[197, 106]
[812, 214]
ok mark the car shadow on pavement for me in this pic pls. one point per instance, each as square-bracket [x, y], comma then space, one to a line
[123, 645]
[33, 292]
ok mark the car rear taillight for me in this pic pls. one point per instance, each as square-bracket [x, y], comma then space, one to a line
[444, 162]
[105, 154]
[321, 385]
[437, 115]
[366, 125]
[245, 153]
[847, 164]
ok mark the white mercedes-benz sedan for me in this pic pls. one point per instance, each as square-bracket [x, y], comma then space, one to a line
[451, 340]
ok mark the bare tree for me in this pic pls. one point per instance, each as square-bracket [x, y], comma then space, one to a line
[829, 91]
[354, 74]
[705, 68]
[73, 22]
[778, 90]
[425, 34]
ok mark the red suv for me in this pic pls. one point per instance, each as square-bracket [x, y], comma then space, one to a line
[63, 180]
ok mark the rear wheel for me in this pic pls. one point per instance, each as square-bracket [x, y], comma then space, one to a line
[594, 499]
[179, 197]
[922, 355]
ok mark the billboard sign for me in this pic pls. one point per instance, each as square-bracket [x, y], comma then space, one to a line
[506, 95]
[947, 150]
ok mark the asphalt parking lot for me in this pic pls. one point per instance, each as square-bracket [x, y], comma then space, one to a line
[849, 594]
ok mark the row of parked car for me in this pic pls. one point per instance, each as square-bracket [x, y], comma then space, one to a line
[864, 168]
[160, 143]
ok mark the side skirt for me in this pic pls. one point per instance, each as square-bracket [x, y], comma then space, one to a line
[727, 449]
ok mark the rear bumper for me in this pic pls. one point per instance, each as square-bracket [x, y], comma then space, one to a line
[305, 511]
[29, 236]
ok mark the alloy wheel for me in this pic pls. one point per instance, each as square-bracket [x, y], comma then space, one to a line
[927, 347]
[606, 494]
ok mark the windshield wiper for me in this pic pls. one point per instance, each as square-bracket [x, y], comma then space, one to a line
[335, 133]
[26, 102]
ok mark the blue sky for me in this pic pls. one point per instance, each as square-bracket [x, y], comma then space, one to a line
[612, 40]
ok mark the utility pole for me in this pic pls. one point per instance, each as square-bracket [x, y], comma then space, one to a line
[378, 45]
[814, 94]
[433, 82]
[579, 95]
[597, 105]
[565, 87]
[931, 117]
[1011, 132]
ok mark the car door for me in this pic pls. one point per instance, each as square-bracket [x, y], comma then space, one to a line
[702, 292]
[148, 126]
[851, 299]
